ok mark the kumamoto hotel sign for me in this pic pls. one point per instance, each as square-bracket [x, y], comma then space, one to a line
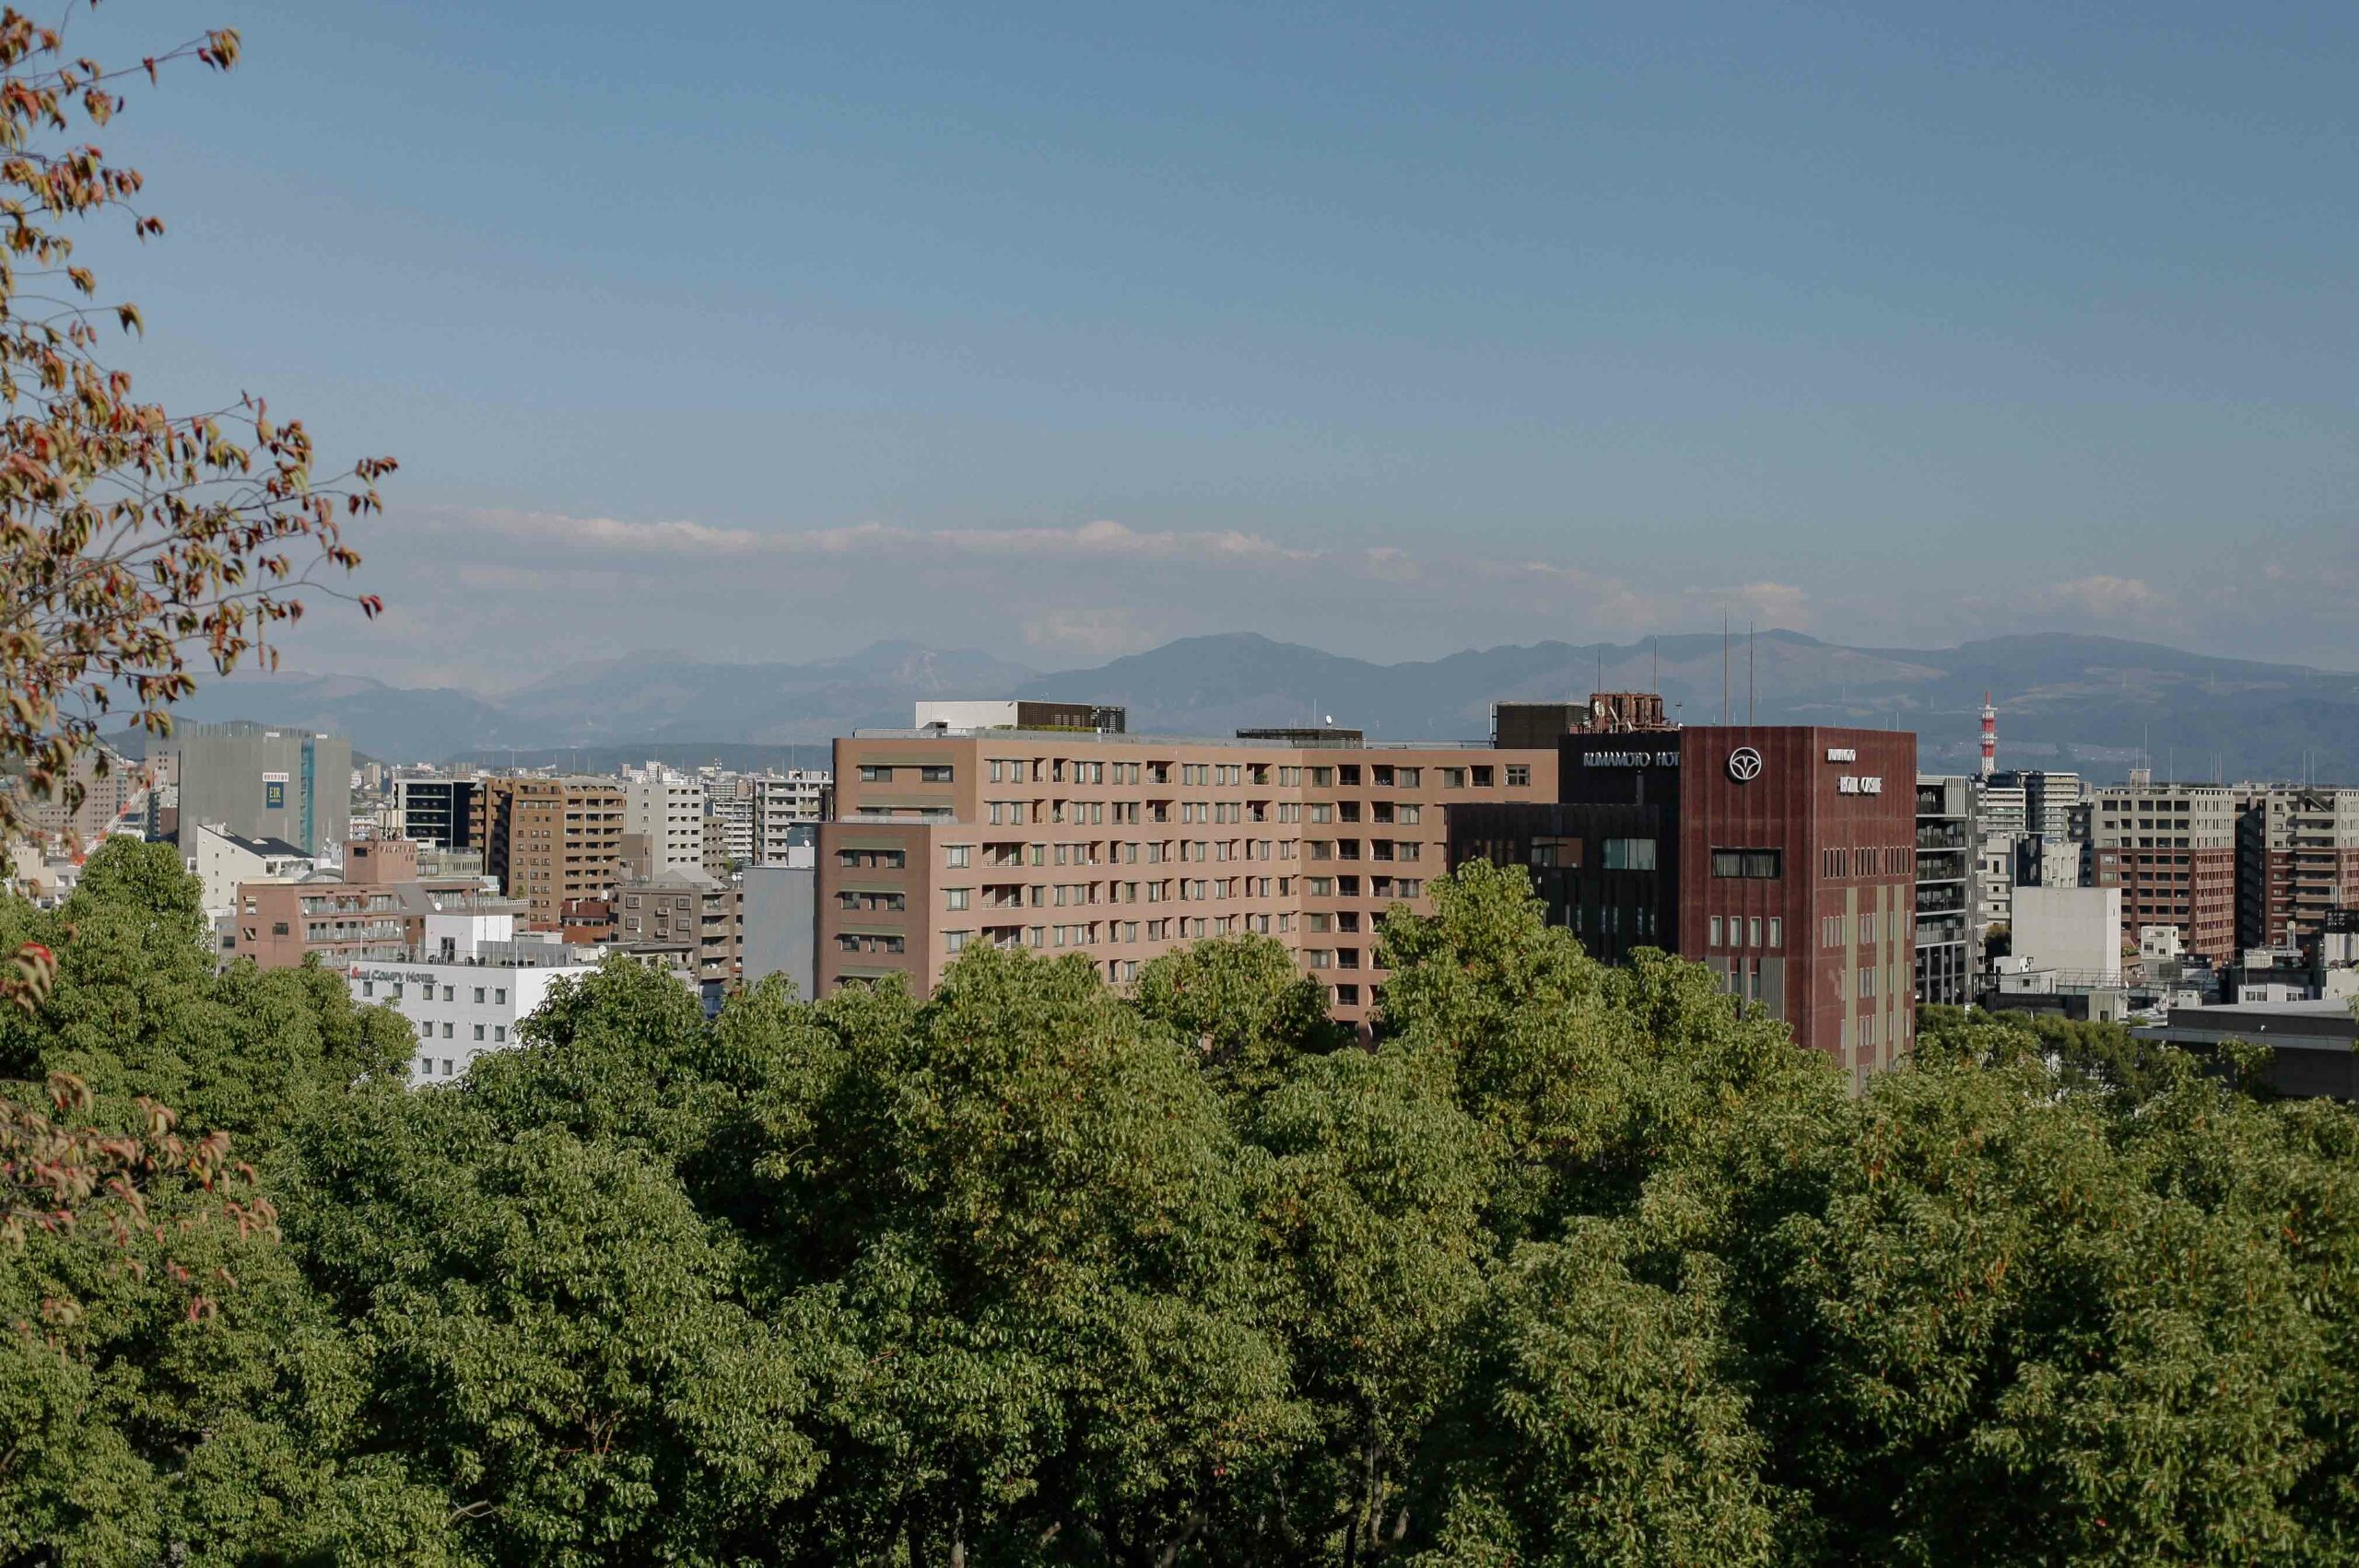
[1745, 764]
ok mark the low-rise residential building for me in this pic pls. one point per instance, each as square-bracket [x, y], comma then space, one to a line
[700, 917]
[380, 907]
[222, 861]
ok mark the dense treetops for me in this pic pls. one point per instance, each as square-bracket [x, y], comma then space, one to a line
[1574, 1266]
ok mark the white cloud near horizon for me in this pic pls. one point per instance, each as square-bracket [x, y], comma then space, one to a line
[1103, 538]
[506, 596]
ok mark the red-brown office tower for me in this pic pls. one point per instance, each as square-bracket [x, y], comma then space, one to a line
[1783, 858]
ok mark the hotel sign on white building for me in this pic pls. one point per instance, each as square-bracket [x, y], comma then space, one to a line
[460, 1009]
[470, 986]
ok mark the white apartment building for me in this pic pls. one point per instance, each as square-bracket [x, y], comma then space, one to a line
[1994, 880]
[221, 860]
[668, 809]
[784, 802]
[2000, 806]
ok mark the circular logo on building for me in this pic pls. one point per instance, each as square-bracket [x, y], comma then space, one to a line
[1745, 764]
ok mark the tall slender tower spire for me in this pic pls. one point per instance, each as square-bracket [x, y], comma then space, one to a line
[1989, 737]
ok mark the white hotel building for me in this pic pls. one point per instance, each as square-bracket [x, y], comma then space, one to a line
[468, 987]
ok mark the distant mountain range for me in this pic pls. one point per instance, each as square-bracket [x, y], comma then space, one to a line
[2096, 703]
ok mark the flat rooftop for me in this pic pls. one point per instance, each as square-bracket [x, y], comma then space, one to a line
[1094, 738]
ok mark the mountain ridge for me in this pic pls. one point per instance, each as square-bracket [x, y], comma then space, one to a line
[2065, 699]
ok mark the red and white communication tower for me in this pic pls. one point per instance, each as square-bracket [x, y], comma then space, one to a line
[1989, 737]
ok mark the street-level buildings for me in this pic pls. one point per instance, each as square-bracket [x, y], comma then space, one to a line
[381, 906]
[2172, 850]
[1121, 847]
[1782, 857]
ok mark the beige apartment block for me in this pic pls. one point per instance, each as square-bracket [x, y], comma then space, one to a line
[1119, 848]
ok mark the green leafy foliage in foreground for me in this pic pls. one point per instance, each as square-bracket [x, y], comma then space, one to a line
[1574, 1267]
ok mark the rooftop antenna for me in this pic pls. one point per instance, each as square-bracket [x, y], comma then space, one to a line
[1750, 629]
[1658, 675]
[1724, 667]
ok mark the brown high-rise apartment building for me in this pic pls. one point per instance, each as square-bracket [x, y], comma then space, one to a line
[109, 784]
[2298, 857]
[2172, 850]
[551, 841]
[1121, 847]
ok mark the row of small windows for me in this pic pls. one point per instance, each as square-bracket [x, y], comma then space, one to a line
[1607, 921]
[883, 772]
[499, 1032]
[1058, 771]
[1836, 931]
[1871, 861]
[393, 992]
[1748, 931]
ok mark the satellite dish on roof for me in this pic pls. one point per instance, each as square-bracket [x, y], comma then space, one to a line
[1330, 719]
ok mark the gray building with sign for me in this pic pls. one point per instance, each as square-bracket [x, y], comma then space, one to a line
[262, 782]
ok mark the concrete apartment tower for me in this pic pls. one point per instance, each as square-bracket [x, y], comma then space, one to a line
[668, 809]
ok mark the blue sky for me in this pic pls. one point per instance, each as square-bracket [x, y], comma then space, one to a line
[761, 332]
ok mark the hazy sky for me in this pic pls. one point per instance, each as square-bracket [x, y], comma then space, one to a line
[764, 330]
